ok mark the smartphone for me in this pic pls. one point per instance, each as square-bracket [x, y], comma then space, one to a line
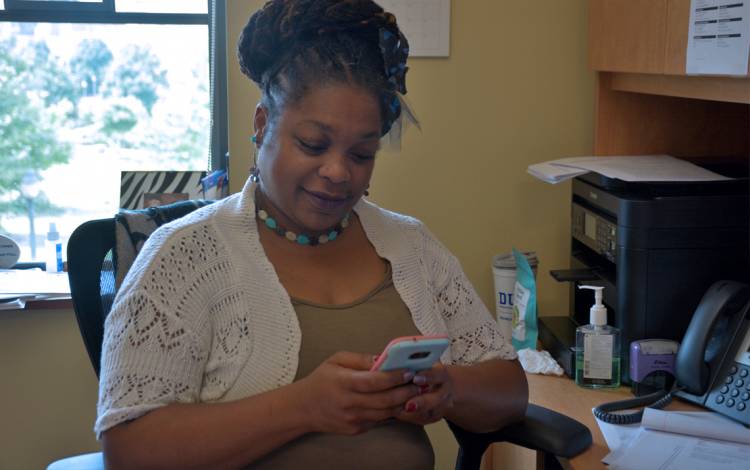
[411, 352]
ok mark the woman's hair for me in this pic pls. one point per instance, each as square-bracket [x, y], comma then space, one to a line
[289, 46]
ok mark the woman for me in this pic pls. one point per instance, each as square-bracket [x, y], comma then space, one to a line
[245, 331]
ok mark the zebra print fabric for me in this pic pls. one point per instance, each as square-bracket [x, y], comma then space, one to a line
[163, 186]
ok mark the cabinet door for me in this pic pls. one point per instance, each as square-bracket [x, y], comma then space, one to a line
[627, 35]
[678, 22]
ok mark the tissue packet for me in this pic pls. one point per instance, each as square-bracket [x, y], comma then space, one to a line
[524, 305]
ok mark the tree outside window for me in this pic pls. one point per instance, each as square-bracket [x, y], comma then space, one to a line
[79, 103]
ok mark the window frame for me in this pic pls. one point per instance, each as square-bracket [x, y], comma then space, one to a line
[103, 12]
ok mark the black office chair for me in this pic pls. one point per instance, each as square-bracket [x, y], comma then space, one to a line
[92, 283]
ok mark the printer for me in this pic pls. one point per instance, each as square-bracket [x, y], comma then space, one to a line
[655, 247]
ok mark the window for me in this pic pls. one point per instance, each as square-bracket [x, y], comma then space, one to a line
[90, 88]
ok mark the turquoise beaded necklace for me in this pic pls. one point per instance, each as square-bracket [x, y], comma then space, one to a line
[301, 238]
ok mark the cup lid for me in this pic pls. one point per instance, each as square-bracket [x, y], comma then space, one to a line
[508, 261]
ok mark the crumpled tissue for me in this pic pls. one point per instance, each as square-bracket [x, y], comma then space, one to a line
[539, 362]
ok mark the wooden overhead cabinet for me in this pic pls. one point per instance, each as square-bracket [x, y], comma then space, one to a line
[639, 36]
[645, 102]
[627, 35]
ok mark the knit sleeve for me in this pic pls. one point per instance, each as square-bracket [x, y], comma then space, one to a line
[150, 358]
[157, 338]
[474, 333]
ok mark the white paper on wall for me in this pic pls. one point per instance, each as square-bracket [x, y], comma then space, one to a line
[425, 23]
[718, 37]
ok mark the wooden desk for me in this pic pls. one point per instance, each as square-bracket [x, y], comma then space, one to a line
[561, 394]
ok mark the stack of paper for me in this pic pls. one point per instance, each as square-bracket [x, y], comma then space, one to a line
[18, 286]
[677, 440]
[625, 168]
[25, 282]
[12, 302]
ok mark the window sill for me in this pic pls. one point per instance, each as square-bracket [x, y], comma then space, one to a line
[56, 303]
[49, 304]
[34, 290]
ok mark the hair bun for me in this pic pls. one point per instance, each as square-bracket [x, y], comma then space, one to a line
[281, 24]
[259, 45]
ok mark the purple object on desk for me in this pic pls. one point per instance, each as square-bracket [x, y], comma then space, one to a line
[651, 355]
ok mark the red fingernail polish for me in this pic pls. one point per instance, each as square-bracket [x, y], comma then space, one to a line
[411, 407]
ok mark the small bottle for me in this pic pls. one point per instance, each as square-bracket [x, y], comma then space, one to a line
[54, 250]
[597, 348]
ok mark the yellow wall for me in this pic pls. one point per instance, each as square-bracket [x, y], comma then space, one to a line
[514, 91]
[49, 389]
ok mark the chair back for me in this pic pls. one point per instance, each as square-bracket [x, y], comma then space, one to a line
[92, 281]
[94, 267]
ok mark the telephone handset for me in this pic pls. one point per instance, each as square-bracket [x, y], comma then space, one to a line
[713, 362]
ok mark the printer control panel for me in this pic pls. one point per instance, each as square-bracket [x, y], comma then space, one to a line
[594, 231]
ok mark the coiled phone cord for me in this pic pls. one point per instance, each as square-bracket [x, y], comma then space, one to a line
[656, 400]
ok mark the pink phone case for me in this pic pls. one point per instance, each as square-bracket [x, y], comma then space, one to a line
[411, 352]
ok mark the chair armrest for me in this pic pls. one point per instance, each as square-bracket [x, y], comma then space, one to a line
[541, 429]
[548, 431]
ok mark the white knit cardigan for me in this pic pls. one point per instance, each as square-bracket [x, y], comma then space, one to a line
[202, 317]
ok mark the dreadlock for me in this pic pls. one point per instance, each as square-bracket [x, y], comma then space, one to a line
[289, 46]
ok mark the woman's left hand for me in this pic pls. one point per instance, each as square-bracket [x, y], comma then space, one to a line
[434, 400]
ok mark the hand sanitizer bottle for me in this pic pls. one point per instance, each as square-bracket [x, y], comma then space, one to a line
[597, 348]
[54, 250]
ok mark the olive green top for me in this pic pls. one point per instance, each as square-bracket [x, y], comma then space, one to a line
[364, 326]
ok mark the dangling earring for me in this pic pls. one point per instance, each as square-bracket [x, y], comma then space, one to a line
[254, 171]
[367, 193]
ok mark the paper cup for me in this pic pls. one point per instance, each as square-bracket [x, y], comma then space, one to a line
[504, 271]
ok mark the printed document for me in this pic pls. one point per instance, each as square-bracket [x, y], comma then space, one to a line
[718, 37]
[667, 451]
[677, 440]
[698, 423]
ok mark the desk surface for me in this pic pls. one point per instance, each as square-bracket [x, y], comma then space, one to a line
[561, 394]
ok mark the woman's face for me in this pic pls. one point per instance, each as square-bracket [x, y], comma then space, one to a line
[317, 161]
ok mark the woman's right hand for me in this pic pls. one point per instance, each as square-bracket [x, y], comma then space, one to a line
[343, 396]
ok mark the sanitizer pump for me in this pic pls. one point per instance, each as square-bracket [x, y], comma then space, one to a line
[597, 347]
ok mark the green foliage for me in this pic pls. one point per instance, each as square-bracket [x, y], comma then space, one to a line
[90, 63]
[184, 137]
[27, 138]
[139, 74]
[42, 205]
[118, 119]
[193, 145]
[98, 96]
[50, 80]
